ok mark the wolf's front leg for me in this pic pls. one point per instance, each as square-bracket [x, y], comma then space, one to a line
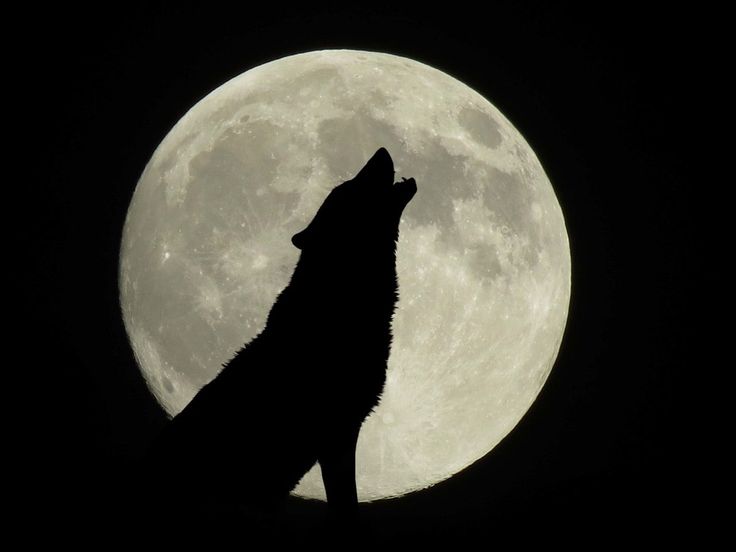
[337, 460]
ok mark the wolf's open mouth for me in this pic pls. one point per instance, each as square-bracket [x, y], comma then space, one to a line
[406, 187]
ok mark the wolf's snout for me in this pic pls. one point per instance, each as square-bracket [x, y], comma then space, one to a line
[379, 168]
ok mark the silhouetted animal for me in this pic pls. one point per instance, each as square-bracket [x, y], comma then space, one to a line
[299, 392]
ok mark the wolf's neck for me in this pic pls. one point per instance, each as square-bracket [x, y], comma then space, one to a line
[341, 286]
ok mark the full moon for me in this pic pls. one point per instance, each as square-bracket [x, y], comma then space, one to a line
[483, 258]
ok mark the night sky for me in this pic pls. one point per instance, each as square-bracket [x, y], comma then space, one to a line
[602, 454]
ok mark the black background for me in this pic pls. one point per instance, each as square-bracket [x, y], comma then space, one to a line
[598, 94]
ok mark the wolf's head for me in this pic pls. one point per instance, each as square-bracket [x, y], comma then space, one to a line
[361, 213]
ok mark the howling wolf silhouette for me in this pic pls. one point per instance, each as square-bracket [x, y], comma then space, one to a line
[299, 392]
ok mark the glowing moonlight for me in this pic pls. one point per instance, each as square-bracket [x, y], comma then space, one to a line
[483, 259]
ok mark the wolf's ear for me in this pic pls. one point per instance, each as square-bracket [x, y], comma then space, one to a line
[300, 238]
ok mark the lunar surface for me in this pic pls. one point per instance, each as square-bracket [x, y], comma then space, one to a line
[483, 257]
